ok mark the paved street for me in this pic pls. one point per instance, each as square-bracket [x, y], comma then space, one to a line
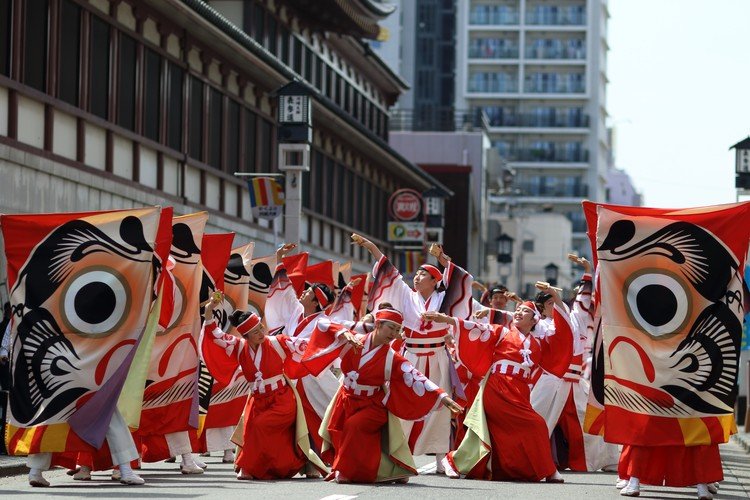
[163, 480]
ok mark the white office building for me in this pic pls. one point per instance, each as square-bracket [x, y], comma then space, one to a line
[537, 68]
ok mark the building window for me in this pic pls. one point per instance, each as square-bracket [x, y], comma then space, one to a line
[176, 77]
[126, 84]
[271, 34]
[328, 212]
[284, 53]
[319, 72]
[266, 145]
[317, 180]
[425, 51]
[233, 131]
[259, 23]
[152, 95]
[35, 45]
[69, 67]
[309, 68]
[215, 120]
[5, 32]
[298, 55]
[99, 67]
[195, 119]
[528, 246]
[249, 142]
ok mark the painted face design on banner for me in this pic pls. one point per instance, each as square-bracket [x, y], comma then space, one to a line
[673, 311]
[261, 277]
[82, 284]
[183, 251]
[235, 275]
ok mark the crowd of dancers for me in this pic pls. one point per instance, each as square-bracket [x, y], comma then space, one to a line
[351, 389]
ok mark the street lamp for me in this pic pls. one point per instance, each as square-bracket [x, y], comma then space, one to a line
[504, 249]
[550, 273]
[742, 165]
[294, 135]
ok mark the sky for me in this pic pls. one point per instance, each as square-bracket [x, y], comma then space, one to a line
[679, 96]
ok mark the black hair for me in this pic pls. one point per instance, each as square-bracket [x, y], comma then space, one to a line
[499, 288]
[327, 291]
[237, 317]
[541, 298]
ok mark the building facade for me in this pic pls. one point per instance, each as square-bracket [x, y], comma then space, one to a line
[537, 69]
[123, 103]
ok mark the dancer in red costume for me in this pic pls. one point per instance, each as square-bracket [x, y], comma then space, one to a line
[276, 442]
[378, 386]
[506, 439]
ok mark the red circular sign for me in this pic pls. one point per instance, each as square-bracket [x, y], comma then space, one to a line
[405, 204]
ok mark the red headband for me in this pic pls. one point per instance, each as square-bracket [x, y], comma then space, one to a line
[321, 296]
[249, 324]
[533, 308]
[389, 315]
[433, 271]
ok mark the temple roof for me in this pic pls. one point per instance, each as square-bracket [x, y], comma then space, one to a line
[357, 18]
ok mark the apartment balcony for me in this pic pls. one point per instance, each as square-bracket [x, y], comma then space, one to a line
[556, 53]
[437, 119]
[490, 15]
[484, 52]
[489, 87]
[555, 87]
[555, 17]
[533, 120]
[545, 155]
[559, 191]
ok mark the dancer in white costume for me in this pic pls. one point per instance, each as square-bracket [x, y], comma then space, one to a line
[425, 342]
[562, 401]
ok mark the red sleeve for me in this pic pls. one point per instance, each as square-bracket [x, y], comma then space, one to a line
[411, 395]
[474, 345]
[219, 352]
[324, 346]
[293, 349]
[557, 349]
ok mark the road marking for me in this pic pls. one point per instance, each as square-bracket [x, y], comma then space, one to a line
[427, 469]
[339, 497]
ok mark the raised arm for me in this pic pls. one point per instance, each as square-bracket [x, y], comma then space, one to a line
[283, 308]
[360, 240]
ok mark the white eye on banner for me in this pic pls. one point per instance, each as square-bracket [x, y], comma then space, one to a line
[96, 302]
[657, 302]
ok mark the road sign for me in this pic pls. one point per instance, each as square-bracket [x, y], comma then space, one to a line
[405, 205]
[406, 231]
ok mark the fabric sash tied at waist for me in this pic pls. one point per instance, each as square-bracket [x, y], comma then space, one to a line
[508, 367]
[261, 385]
[351, 385]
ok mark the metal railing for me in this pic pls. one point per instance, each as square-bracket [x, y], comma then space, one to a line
[489, 15]
[556, 18]
[544, 155]
[437, 119]
[552, 120]
[558, 191]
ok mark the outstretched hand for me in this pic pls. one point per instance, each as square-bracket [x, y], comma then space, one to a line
[352, 340]
[437, 317]
[482, 313]
[283, 250]
[581, 261]
[358, 239]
